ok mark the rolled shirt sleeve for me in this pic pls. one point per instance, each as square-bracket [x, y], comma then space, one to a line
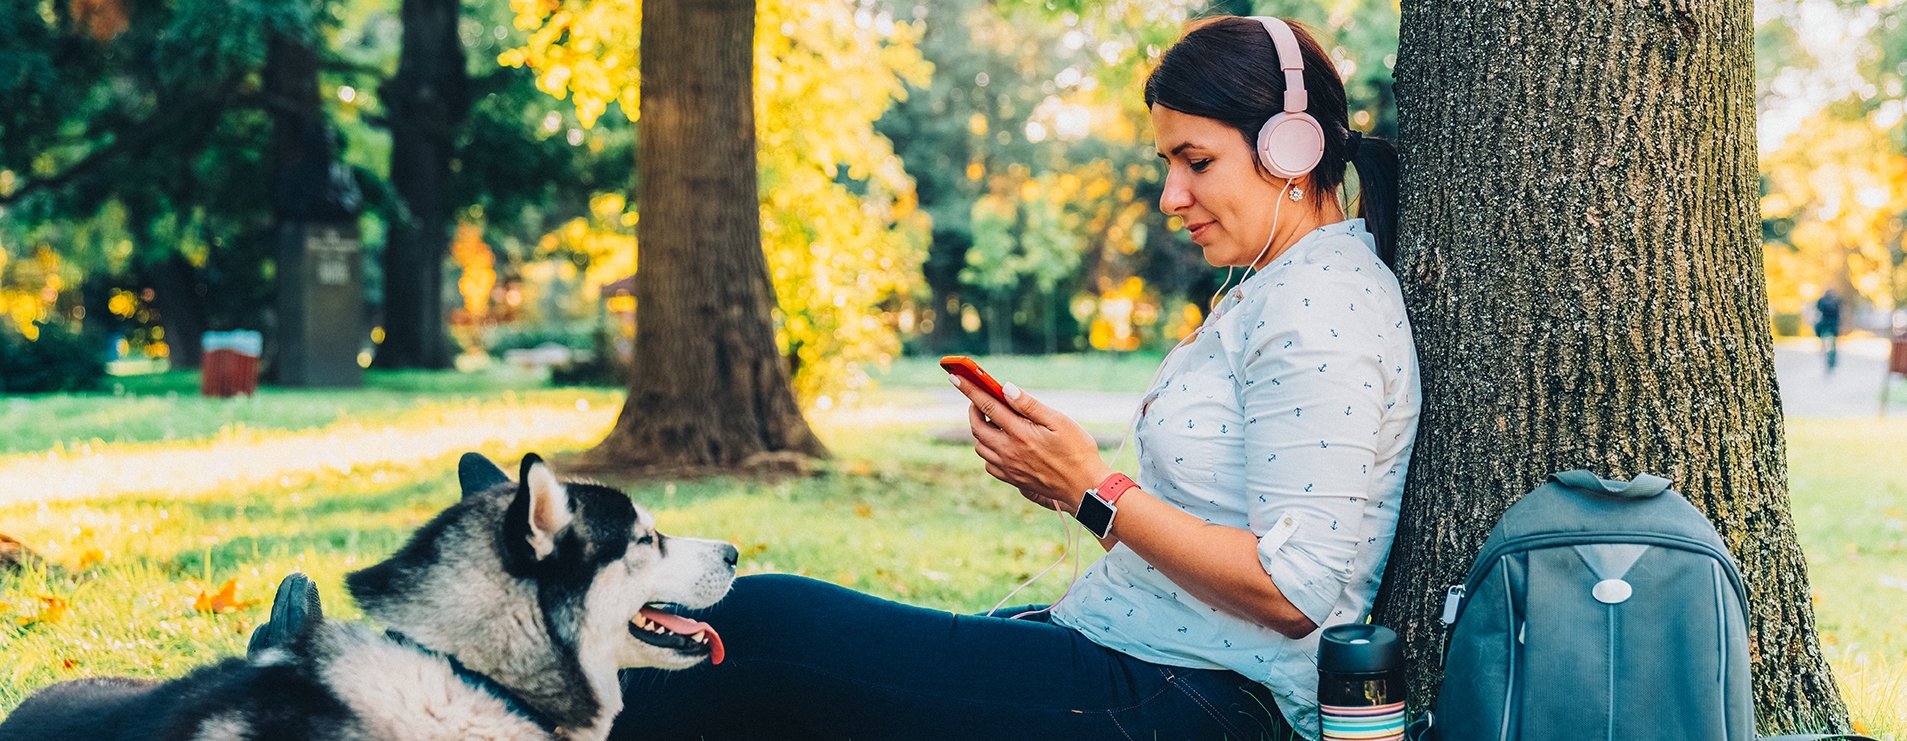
[1312, 389]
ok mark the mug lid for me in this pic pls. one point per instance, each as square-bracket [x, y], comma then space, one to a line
[1359, 648]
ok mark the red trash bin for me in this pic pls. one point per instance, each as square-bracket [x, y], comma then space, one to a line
[229, 363]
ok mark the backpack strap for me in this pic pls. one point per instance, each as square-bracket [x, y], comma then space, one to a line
[1642, 487]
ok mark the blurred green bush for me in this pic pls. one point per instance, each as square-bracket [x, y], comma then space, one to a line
[59, 360]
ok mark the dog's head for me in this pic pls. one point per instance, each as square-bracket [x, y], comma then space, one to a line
[603, 580]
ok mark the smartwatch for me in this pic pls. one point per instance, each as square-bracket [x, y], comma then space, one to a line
[1099, 505]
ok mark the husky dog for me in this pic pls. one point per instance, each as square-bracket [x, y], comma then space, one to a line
[509, 615]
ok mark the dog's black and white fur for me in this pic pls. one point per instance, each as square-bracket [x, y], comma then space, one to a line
[509, 615]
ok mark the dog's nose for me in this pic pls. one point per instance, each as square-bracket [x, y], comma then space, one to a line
[730, 556]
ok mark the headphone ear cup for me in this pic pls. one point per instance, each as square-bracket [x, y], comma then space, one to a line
[1290, 145]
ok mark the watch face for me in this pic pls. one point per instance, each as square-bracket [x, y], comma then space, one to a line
[1096, 515]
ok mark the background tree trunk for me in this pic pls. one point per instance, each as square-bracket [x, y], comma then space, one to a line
[709, 388]
[309, 187]
[176, 285]
[1580, 250]
[427, 98]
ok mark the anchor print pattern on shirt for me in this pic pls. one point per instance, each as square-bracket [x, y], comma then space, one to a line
[1291, 415]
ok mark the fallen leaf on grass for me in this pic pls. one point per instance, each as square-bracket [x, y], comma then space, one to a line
[52, 610]
[225, 601]
[862, 510]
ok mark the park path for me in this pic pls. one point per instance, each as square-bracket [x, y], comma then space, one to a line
[1852, 390]
[258, 459]
[1807, 391]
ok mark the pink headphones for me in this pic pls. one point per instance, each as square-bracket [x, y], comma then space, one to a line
[1292, 142]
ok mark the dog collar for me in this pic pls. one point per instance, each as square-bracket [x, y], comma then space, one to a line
[511, 701]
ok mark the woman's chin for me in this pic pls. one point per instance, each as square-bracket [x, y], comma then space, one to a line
[1220, 256]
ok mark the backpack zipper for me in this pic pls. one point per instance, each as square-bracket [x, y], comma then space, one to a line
[1509, 687]
[1612, 672]
[1452, 604]
[1547, 540]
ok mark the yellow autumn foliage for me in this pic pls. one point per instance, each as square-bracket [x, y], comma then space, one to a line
[1842, 187]
[825, 71]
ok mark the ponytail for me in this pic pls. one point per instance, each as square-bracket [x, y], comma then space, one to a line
[1376, 163]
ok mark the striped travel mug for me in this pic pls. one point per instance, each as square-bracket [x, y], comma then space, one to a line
[1360, 684]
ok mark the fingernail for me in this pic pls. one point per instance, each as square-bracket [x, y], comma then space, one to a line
[1012, 391]
[956, 381]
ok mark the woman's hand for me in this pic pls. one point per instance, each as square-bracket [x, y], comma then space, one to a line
[1041, 452]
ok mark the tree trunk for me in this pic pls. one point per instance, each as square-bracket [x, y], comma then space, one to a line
[308, 187]
[942, 271]
[709, 388]
[175, 286]
[1000, 321]
[1579, 245]
[427, 98]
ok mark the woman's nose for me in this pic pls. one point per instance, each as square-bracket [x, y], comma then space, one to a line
[1176, 197]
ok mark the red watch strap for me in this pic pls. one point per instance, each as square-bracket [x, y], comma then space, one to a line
[1114, 487]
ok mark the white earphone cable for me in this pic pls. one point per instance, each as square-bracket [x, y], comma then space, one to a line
[1066, 523]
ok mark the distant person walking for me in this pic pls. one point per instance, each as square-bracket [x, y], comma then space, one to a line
[1827, 324]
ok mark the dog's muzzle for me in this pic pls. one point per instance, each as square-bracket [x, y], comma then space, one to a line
[676, 633]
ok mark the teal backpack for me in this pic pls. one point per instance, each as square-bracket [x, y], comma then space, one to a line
[1597, 609]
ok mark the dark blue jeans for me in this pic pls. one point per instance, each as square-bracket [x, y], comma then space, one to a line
[811, 660]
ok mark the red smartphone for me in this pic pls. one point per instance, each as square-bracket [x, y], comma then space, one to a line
[964, 367]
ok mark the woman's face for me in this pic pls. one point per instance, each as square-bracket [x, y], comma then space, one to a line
[1214, 184]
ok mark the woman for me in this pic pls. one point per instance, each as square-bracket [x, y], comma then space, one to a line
[1272, 453]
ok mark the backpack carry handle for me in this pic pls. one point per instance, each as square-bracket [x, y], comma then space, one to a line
[1642, 487]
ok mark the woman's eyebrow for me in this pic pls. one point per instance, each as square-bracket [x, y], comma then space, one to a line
[1175, 150]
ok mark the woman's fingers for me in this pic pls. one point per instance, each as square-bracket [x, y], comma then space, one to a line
[994, 409]
[984, 430]
[1033, 409]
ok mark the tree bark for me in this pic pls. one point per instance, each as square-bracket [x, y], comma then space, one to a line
[1579, 246]
[709, 388]
[427, 99]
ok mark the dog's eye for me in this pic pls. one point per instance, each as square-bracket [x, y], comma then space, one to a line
[646, 540]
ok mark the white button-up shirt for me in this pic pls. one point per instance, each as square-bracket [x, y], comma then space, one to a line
[1291, 415]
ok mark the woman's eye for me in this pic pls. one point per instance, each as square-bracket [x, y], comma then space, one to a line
[645, 540]
[1200, 165]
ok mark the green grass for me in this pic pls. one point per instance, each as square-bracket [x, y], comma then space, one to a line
[167, 407]
[893, 514]
[1848, 488]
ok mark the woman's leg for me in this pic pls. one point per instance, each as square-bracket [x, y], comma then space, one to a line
[810, 660]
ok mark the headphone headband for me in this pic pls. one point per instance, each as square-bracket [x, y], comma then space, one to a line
[1289, 143]
[1290, 60]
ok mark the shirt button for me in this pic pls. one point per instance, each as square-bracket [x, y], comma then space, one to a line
[1288, 521]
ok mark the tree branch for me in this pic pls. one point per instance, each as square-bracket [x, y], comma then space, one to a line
[144, 135]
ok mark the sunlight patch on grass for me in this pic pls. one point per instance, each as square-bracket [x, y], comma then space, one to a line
[244, 458]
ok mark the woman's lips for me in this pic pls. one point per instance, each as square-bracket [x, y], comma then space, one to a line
[1198, 229]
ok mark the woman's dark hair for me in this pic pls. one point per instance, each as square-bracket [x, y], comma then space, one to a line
[1225, 68]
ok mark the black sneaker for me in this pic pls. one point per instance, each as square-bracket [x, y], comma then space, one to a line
[294, 611]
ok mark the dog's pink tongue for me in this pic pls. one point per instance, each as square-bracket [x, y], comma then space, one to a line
[683, 626]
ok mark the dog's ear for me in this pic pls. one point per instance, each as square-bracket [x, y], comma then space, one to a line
[548, 504]
[476, 473]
